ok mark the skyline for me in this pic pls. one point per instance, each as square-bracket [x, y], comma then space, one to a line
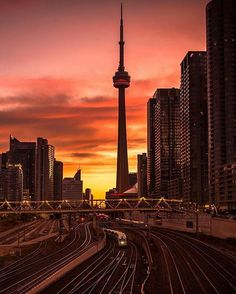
[35, 91]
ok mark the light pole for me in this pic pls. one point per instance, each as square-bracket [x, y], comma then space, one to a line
[24, 227]
[18, 244]
[197, 219]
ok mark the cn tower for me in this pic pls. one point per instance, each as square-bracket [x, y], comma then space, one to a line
[121, 81]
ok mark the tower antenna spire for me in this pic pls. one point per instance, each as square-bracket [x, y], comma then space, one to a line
[122, 43]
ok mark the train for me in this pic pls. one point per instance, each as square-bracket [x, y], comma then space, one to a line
[102, 216]
[134, 223]
[119, 236]
[131, 222]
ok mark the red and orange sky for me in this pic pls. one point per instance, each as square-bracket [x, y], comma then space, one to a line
[57, 59]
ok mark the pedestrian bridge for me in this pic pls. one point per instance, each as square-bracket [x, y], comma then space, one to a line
[89, 206]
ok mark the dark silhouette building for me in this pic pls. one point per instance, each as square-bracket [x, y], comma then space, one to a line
[58, 178]
[132, 179]
[73, 187]
[142, 175]
[44, 170]
[221, 72]
[11, 183]
[3, 160]
[164, 144]
[151, 146]
[88, 194]
[24, 153]
[121, 81]
[110, 193]
[194, 127]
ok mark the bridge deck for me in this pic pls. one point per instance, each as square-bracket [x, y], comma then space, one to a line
[98, 205]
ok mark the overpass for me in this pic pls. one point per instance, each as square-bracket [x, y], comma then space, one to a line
[87, 206]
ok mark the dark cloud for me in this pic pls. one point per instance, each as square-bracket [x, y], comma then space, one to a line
[35, 100]
[97, 99]
[15, 3]
[68, 126]
[84, 155]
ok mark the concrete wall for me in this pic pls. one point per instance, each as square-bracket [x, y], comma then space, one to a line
[188, 223]
[205, 224]
[202, 223]
[222, 228]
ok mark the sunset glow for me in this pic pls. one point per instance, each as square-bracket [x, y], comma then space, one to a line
[57, 61]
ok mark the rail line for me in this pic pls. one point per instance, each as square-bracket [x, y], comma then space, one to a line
[29, 280]
[214, 264]
[196, 261]
[4, 270]
[36, 253]
[99, 275]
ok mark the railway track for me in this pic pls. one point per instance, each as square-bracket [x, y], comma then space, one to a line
[4, 271]
[185, 262]
[111, 271]
[30, 231]
[125, 284]
[20, 278]
[19, 233]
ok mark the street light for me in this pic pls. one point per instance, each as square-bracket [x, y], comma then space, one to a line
[197, 218]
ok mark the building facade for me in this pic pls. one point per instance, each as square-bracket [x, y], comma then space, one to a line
[24, 153]
[72, 189]
[3, 161]
[164, 143]
[142, 175]
[221, 74]
[58, 179]
[132, 179]
[11, 183]
[226, 184]
[151, 146]
[44, 170]
[194, 127]
[88, 194]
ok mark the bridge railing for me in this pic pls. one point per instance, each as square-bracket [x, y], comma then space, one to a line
[87, 205]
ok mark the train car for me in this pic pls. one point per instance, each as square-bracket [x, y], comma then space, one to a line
[102, 216]
[130, 222]
[119, 236]
[122, 240]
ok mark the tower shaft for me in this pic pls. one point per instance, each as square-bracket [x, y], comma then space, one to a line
[122, 172]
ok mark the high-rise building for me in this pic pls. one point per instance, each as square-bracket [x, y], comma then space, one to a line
[151, 147]
[110, 193]
[194, 133]
[44, 170]
[58, 178]
[142, 175]
[164, 144]
[23, 153]
[121, 81]
[3, 185]
[11, 183]
[132, 179]
[77, 175]
[221, 74]
[88, 194]
[3, 160]
[72, 188]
